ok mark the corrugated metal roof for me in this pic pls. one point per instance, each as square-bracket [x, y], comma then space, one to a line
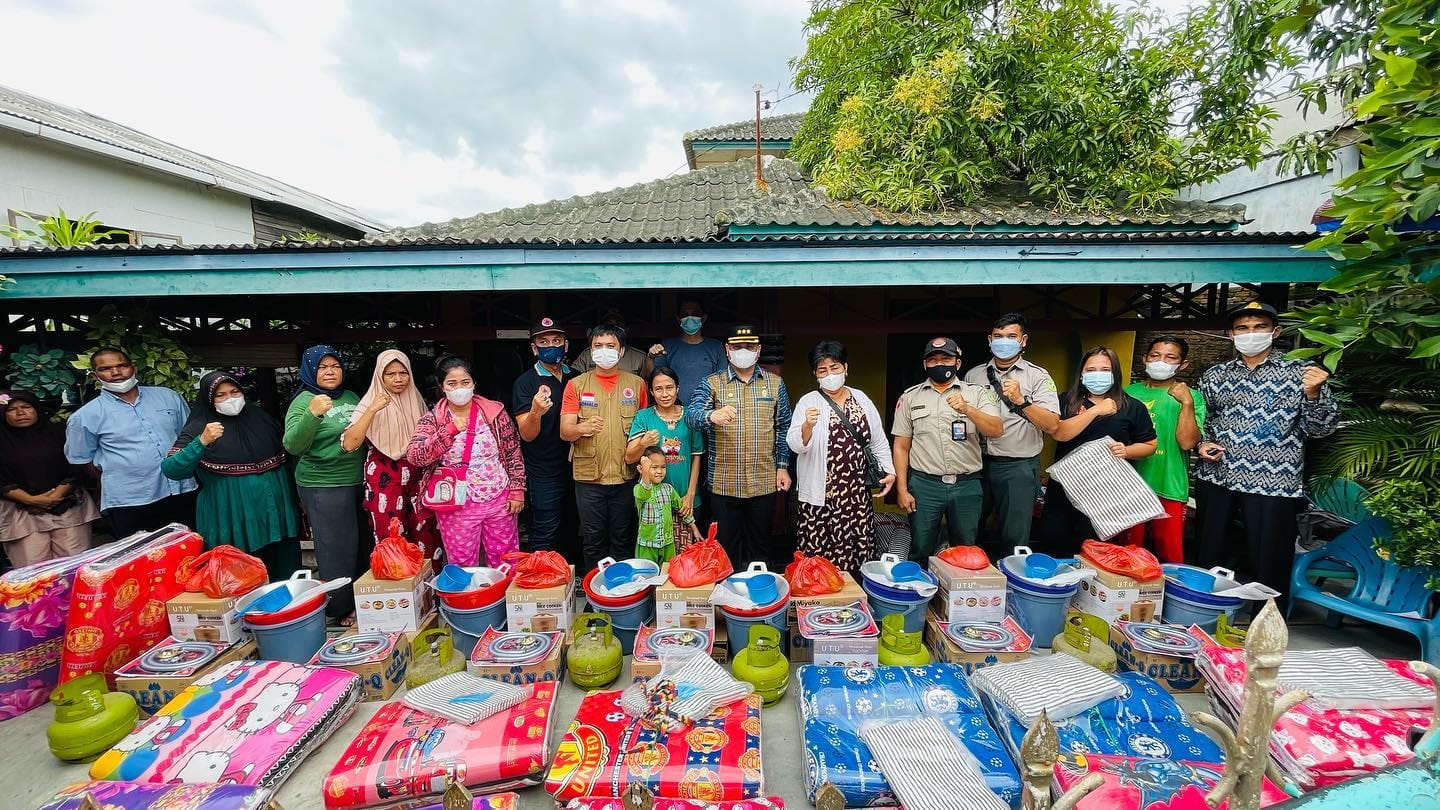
[73, 127]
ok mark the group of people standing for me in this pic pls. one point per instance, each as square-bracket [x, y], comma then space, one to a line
[709, 432]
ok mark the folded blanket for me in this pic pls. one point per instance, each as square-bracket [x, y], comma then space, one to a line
[1350, 678]
[1060, 685]
[1106, 489]
[927, 766]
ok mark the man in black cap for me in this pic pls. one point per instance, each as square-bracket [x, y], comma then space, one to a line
[744, 412]
[535, 403]
[1262, 407]
[938, 425]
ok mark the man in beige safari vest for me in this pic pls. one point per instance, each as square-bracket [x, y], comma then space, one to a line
[595, 416]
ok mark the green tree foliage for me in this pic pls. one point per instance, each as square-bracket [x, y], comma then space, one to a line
[59, 230]
[922, 103]
[1380, 322]
[159, 359]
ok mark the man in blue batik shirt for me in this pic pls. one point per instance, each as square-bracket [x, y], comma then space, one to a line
[126, 432]
[1262, 409]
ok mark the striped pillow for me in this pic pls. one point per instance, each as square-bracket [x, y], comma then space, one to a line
[1059, 684]
[1350, 678]
[1106, 489]
[926, 766]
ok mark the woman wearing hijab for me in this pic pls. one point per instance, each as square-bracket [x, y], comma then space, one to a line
[234, 451]
[44, 513]
[386, 418]
[468, 432]
[326, 474]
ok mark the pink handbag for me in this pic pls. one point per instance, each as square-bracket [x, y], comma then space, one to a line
[444, 488]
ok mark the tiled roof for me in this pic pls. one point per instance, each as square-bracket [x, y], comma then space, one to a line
[774, 128]
[32, 115]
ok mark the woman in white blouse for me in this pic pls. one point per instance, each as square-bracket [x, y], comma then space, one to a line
[835, 428]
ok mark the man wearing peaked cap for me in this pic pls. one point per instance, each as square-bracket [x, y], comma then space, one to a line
[938, 427]
[744, 412]
[534, 396]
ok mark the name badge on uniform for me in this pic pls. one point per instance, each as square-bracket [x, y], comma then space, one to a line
[957, 431]
[588, 399]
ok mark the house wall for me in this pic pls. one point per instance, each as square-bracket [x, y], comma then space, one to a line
[1275, 201]
[41, 177]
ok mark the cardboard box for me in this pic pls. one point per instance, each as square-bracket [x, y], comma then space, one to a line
[1110, 596]
[684, 607]
[848, 593]
[720, 648]
[197, 617]
[541, 610]
[152, 691]
[549, 668]
[393, 605]
[860, 648]
[645, 661]
[430, 622]
[968, 596]
[381, 673]
[945, 650]
[1175, 673]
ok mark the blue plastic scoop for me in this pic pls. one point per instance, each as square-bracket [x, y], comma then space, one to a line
[453, 579]
[908, 572]
[1043, 566]
[271, 602]
[617, 574]
[761, 588]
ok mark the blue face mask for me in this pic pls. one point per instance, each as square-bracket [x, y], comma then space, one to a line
[1004, 348]
[690, 324]
[551, 355]
[1097, 382]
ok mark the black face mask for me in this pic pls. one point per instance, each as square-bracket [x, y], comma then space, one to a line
[941, 374]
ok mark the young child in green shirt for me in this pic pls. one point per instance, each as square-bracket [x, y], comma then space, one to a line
[660, 509]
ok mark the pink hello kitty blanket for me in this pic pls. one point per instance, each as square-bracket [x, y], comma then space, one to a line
[246, 723]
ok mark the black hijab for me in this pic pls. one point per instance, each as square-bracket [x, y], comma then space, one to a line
[252, 438]
[32, 458]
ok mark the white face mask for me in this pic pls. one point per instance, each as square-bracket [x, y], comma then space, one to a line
[1253, 343]
[231, 407]
[1159, 371]
[743, 358]
[460, 396]
[122, 387]
[605, 357]
[832, 382]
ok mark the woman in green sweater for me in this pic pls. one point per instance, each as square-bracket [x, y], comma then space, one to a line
[245, 497]
[327, 475]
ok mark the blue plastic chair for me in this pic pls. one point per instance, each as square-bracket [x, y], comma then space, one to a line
[1384, 593]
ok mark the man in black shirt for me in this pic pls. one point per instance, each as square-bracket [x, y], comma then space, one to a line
[535, 403]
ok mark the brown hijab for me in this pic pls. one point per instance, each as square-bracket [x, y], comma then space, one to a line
[393, 426]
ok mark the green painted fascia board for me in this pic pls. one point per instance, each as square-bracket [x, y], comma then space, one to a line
[750, 232]
[99, 275]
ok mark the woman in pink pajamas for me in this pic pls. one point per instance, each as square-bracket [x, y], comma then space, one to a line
[495, 478]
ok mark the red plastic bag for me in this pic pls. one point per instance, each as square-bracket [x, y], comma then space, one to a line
[395, 557]
[539, 569]
[813, 576]
[1127, 561]
[971, 558]
[223, 571]
[702, 563]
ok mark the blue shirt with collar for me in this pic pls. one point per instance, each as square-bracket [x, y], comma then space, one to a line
[128, 442]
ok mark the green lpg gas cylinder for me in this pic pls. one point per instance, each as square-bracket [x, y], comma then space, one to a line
[89, 719]
[899, 648]
[595, 653]
[762, 665]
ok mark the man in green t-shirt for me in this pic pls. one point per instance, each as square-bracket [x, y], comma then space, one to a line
[1178, 413]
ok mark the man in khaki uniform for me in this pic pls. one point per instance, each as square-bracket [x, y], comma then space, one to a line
[1032, 410]
[595, 415]
[938, 426]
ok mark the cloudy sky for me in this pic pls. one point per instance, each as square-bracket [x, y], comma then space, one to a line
[420, 110]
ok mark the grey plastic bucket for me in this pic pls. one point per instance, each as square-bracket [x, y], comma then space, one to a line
[912, 609]
[467, 626]
[295, 641]
[625, 622]
[1181, 611]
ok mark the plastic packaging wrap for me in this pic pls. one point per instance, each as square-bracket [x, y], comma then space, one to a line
[1145, 721]
[768, 803]
[140, 796]
[395, 557]
[604, 750]
[403, 753]
[1060, 685]
[246, 722]
[834, 701]
[927, 766]
[702, 563]
[1137, 784]
[813, 576]
[688, 688]
[1312, 745]
[539, 569]
[223, 571]
[34, 602]
[1127, 561]
[117, 603]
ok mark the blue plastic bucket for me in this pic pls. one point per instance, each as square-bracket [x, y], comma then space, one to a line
[1189, 598]
[1040, 609]
[739, 626]
[913, 608]
[295, 641]
[625, 621]
[467, 626]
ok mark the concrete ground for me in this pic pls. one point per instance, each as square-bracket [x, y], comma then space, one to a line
[31, 774]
